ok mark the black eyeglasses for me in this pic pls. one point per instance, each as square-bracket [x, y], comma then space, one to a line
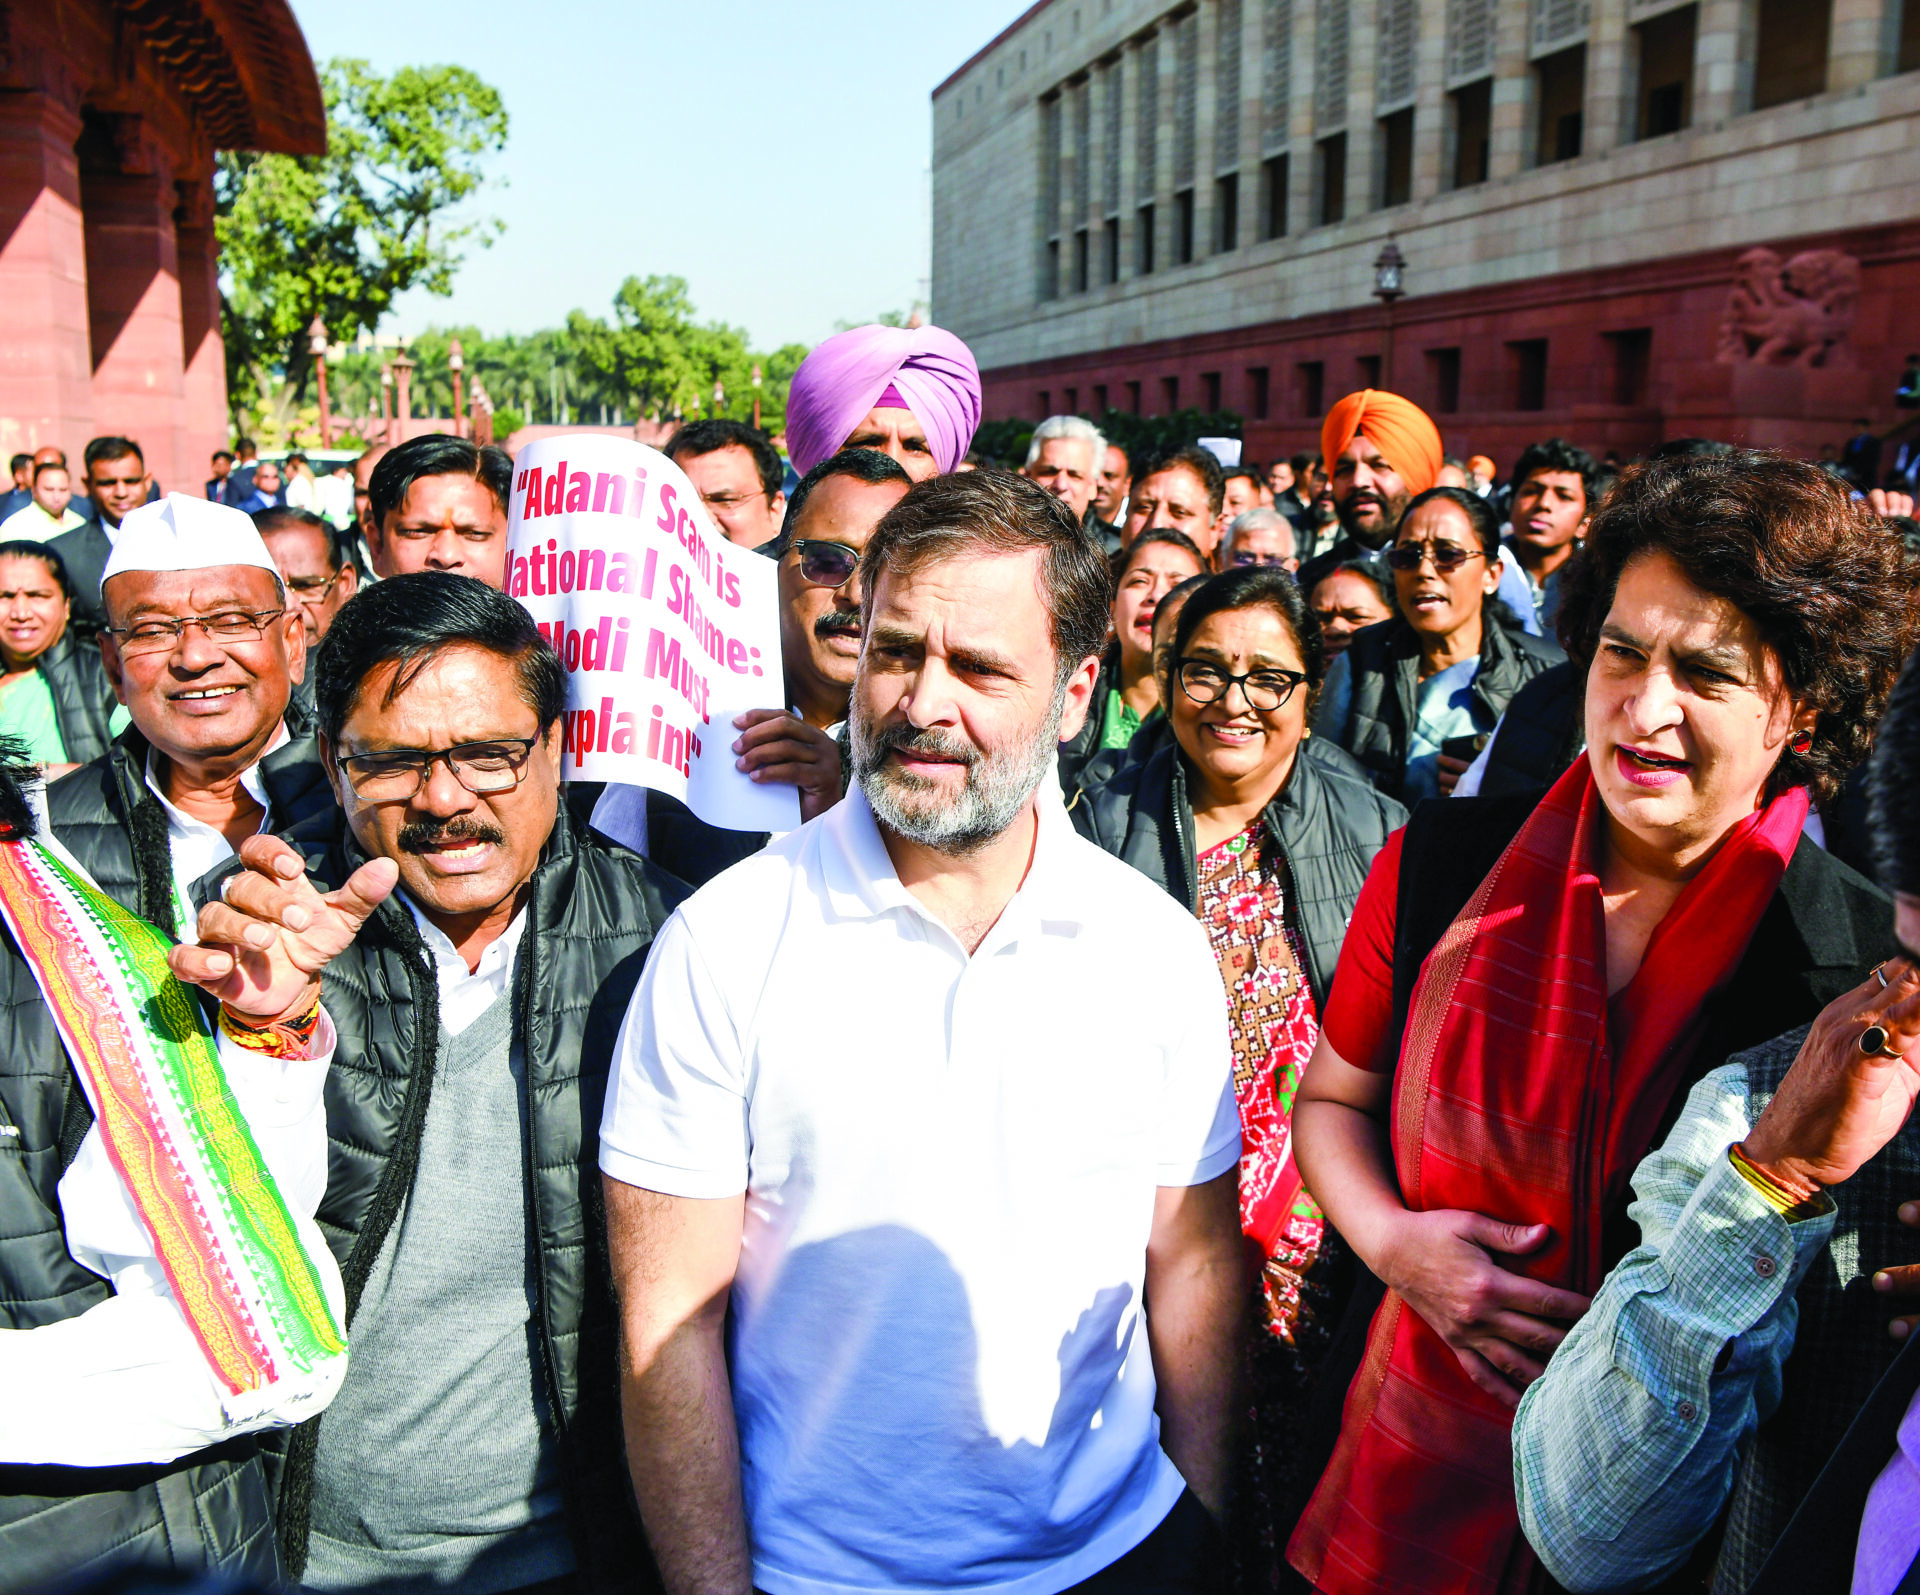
[393, 775]
[1445, 556]
[1265, 690]
[825, 564]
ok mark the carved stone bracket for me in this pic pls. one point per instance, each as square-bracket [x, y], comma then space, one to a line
[1798, 311]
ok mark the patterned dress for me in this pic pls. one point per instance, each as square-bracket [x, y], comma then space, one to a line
[1274, 1027]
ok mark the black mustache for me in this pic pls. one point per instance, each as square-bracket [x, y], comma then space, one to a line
[417, 836]
[838, 623]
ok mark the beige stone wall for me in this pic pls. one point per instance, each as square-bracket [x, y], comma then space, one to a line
[1845, 158]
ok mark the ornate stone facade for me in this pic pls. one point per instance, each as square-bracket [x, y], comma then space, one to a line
[110, 113]
[1637, 218]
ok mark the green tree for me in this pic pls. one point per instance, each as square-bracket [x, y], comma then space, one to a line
[342, 234]
[657, 358]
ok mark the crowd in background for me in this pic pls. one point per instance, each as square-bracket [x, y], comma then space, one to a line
[1436, 937]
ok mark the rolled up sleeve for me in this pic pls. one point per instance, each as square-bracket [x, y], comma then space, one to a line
[1624, 1450]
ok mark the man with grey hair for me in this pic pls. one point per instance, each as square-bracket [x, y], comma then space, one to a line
[1259, 536]
[1065, 458]
[890, 1271]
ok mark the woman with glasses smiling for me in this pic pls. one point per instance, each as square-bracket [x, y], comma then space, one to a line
[1414, 698]
[1269, 847]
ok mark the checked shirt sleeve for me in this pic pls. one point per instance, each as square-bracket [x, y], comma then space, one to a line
[1624, 1450]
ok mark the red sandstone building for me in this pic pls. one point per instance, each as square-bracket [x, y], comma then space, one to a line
[1626, 220]
[110, 114]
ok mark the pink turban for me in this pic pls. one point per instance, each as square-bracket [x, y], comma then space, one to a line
[932, 370]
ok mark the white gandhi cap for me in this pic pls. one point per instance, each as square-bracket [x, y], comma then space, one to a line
[182, 533]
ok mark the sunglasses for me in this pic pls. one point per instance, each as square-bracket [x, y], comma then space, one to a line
[1445, 556]
[825, 564]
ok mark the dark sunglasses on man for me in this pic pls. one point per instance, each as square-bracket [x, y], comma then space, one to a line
[825, 564]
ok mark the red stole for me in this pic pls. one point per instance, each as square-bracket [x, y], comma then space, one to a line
[1521, 1097]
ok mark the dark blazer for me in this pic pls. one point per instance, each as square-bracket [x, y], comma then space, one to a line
[1816, 1551]
[85, 550]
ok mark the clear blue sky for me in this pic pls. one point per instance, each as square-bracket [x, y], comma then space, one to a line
[774, 155]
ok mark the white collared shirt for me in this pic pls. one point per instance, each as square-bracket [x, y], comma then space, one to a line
[939, 1362]
[465, 994]
[197, 846]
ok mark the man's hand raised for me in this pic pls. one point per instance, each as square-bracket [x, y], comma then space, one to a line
[262, 948]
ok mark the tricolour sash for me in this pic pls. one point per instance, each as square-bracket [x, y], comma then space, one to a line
[244, 1280]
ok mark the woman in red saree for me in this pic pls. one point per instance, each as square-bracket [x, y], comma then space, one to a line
[1486, 1081]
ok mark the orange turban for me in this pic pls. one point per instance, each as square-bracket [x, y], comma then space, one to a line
[1403, 433]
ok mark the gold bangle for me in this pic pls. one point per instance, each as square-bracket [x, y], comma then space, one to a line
[1786, 1202]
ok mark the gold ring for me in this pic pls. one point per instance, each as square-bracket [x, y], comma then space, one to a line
[1873, 1043]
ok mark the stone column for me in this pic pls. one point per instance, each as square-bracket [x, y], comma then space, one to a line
[1510, 130]
[204, 419]
[133, 305]
[1301, 153]
[1723, 60]
[1605, 115]
[1253, 112]
[1206, 106]
[1430, 100]
[1363, 125]
[46, 369]
[1857, 43]
[1129, 172]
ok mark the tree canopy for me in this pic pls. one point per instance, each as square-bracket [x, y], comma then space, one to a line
[343, 234]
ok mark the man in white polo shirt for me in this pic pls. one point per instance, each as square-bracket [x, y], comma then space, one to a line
[878, 1092]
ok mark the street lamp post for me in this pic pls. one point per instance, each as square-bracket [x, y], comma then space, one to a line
[456, 363]
[482, 414]
[403, 397]
[756, 398]
[317, 347]
[719, 396]
[386, 403]
[1389, 267]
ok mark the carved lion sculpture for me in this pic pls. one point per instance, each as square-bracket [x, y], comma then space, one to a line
[1793, 312]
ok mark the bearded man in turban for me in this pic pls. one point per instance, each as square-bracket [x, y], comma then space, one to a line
[911, 392]
[1380, 451]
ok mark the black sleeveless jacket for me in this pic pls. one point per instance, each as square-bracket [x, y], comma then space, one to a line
[1384, 662]
[1329, 824]
[1541, 733]
[83, 698]
[591, 917]
[111, 821]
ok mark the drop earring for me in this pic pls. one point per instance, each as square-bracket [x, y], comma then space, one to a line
[1800, 741]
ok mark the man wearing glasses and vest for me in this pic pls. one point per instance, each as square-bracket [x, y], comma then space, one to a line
[475, 1443]
[205, 652]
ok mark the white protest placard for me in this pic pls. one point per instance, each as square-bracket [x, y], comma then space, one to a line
[666, 630]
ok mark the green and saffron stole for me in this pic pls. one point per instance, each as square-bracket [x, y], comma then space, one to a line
[140, 1044]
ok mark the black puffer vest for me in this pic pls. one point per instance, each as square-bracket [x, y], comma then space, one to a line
[1384, 662]
[110, 820]
[83, 700]
[1328, 825]
[592, 914]
[209, 1510]
[1541, 733]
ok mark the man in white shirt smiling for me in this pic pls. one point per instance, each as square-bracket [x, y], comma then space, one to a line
[863, 1096]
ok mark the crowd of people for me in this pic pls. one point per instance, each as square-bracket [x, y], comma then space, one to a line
[1337, 1027]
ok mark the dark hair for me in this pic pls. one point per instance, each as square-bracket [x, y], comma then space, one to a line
[1251, 587]
[297, 455]
[223, 454]
[1376, 572]
[49, 465]
[28, 548]
[1479, 513]
[244, 445]
[1250, 472]
[110, 448]
[863, 465]
[1159, 534]
[436, 454]
[1822, 578]
[1125, 454]
[707, 437]
[1893, 816]
[1300, 463]
[18, 771]
[19, 460]
[1203, 464]
[412, 619]
[992, 511]
[1557, 454]
[286, 518]
[1693, 449]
